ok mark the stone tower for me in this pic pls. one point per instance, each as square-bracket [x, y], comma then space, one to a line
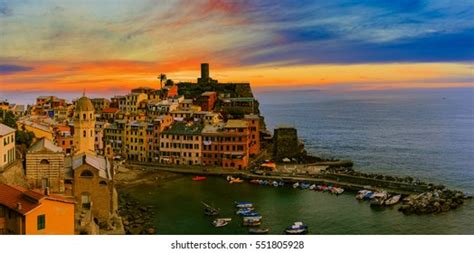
[84, 126]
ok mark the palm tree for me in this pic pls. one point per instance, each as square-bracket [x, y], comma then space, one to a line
[162, 77]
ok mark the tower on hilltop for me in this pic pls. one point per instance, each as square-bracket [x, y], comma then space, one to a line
[205, 78]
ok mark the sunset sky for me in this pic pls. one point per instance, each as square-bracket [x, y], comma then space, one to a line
[107, 47]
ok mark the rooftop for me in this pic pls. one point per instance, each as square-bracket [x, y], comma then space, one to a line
[183, 128]
[23, 200]
[110, 110]
[97, 162]
[44, 145]
[236, 123]
[4, 130]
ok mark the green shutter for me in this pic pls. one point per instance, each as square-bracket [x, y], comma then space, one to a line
[41, 222]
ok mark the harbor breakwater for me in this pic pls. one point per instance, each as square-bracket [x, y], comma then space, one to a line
[419, 197]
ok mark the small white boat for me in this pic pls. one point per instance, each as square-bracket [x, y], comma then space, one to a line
[312, 187]
[393, 200]
[243, 204]
[297, 228]
[296, 185]
[360, 194]
[221, 222]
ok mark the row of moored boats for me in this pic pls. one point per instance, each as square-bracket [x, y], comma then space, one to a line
[378, 198]
[316, 187]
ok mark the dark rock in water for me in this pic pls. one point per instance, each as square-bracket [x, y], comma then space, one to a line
[143, 209]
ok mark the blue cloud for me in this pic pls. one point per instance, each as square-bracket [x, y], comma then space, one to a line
[365, 31]
[10, 69]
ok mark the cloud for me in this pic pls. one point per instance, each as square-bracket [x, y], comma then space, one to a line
[11, 69]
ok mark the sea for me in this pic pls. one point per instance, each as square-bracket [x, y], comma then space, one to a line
[427, 134]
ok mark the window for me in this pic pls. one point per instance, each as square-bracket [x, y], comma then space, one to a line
[84, 134]
[87, 173]
[44, 161]
[41, 222]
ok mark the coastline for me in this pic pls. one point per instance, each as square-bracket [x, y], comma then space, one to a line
[137, 217]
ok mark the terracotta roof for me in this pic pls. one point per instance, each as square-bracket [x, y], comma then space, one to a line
[64, 128]
[12, 196]
[44, 145]
[110, 110]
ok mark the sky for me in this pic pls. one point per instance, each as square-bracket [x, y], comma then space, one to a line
[107, 47]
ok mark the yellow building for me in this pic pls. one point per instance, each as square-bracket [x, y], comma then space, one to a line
[132, 102]
[84, 126]
[41, 130]
[136, 140]
[7, 145]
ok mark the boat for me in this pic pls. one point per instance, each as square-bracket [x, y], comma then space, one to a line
[281, 183]
[304, 186]
[220, 222]
[296, 185]
[312, 187]
[368, 196]
[337, 190]
[275, 183]
[251, 218]
[263, 182]
[243, 204]
[393, 200]
[252, 223]
[360, 194]
[378, 199]
[199, 178]
[254, 181]
[235, 180]
[251, 214]
[210, 210]
[244, 210]
[297, 228]
[258, 230]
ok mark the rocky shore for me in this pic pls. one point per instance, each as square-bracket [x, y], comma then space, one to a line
[137, 218]
[436, 201]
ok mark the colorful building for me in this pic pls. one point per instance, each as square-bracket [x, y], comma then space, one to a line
[207, 100]
[29, 212]
[226, 144]
[84, 126]
[181, 144]
[7, 145]
[45, 166]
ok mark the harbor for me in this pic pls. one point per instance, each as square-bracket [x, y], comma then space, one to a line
[324, 213]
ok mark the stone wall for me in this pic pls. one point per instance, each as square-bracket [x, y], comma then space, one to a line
[286, 143]
[14, 174]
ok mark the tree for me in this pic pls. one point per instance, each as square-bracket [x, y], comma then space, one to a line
[169, 82]
[22, 136]
[8, 118]
[162, 77]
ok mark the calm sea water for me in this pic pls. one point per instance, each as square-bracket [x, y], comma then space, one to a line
[427, 134]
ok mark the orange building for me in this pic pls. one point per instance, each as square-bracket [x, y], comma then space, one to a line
[29, 212]
[226, 144]
[254, 125]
